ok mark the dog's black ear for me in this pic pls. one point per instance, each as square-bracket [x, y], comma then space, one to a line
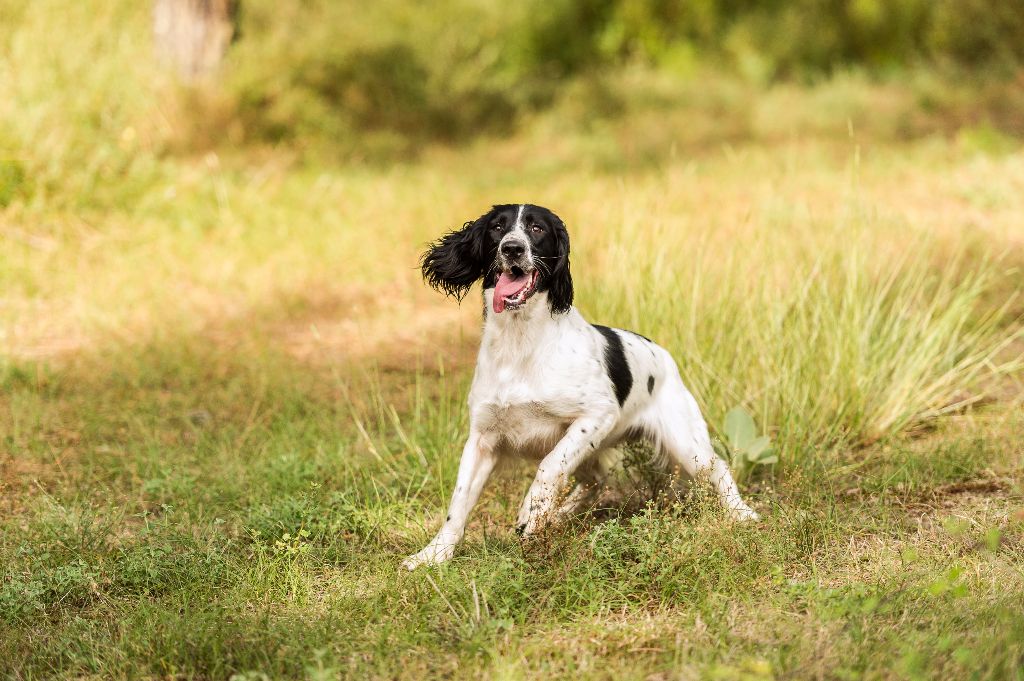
[453, 263]
[560, 282]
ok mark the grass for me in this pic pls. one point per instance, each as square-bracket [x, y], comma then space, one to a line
[157, 540]
[228, 407]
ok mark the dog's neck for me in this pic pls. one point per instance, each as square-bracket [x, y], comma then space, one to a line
[517, 332]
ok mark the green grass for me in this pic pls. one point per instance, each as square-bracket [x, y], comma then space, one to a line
[218, 442]
[263, 534]
[229, 407]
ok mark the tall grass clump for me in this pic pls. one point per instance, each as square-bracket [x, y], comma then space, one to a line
[831, 336]
[84, 112]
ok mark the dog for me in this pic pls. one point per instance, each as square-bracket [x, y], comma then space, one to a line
[551, 387]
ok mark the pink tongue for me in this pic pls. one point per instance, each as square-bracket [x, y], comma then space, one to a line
[507, 286]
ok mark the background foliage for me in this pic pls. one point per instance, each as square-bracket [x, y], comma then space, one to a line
[461, 67]
[379, 81]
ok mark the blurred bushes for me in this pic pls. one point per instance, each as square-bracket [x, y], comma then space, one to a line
[978, 32]
[392, 75]
[351, 80]
[378, 77]
[387, 77]
[808, 37]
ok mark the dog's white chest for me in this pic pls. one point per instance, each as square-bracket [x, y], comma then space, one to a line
[531, 384]
[527, 429]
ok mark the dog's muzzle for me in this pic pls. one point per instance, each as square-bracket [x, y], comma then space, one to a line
[517, 279]
[512, 253]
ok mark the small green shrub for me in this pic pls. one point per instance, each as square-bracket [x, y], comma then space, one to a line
[162, 564]
[741, 445]
[46, 586]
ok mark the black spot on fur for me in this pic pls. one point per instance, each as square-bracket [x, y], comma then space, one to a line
[650, 385]
[520, 529]
[448, 519]
[615, 363]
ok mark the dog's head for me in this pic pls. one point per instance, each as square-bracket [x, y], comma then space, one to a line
[517, 249]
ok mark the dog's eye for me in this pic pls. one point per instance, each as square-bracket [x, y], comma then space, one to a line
[536, 229]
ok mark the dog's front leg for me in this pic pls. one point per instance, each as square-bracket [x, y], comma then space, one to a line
[582, 439]
[478, 459]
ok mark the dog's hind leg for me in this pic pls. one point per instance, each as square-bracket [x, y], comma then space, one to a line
[677, 427]
[591, 477]
[575, 500]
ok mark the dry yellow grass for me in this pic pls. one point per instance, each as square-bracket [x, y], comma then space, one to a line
[213, 243]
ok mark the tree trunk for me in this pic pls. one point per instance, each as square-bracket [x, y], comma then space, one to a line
[191, 36]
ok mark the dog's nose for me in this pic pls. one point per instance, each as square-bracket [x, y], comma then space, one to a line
[512, 249]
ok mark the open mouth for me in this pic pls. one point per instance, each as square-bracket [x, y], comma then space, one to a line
[514, 288]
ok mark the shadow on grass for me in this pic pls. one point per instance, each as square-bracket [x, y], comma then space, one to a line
[126, 413]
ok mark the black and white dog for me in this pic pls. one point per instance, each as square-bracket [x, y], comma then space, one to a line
[551, 387]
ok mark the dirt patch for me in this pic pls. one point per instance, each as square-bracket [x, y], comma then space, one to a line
[394, 325]
[980, 492]
[322, 325]
[985, 486]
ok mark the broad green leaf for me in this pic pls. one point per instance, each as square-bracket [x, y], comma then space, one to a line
[765, 456]
[739, 428]
[757, 446]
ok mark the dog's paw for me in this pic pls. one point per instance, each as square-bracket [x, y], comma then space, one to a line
[528, 531]
[529, 523]
[537, 510]
[743, 514]
[433, 554]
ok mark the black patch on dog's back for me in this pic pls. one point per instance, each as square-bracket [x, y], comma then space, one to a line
[615, 363]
